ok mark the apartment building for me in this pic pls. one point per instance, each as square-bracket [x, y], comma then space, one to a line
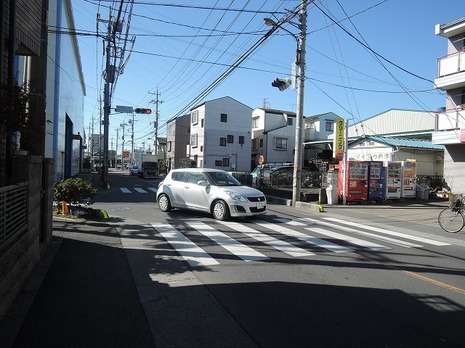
[450, 120]
[273, 135]
[177, 140]
[220, 134]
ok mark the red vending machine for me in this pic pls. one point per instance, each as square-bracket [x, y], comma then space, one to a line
[376, 181]
[356, 181]
[409, 179]
[393, 180]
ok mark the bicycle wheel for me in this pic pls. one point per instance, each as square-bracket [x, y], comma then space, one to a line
[451, 220]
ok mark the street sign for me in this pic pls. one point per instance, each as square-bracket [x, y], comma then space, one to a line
[126, 109]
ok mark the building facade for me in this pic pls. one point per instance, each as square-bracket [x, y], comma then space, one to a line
[220, 135]
[177, 140]
[273, 136]
[450, 120]
[65, 136]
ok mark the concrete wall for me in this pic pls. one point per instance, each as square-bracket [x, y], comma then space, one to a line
[18, 261]
[454, 167]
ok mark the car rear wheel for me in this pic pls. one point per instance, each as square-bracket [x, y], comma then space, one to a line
[220, 210]
[164, 203]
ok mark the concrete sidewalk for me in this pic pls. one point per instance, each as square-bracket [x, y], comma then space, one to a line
[82, 294]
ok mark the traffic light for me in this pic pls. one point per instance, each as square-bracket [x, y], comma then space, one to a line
[282, 84]
[142, 111]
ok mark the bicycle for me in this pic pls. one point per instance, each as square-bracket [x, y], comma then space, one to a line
[452, 219]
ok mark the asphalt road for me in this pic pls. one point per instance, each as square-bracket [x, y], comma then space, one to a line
[353, 276]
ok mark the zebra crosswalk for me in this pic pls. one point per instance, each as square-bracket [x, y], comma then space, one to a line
[137, 189]
[304, 237]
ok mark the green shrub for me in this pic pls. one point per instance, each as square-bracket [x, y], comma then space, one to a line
[73, 191]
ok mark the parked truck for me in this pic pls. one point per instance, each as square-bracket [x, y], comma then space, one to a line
[148, 165]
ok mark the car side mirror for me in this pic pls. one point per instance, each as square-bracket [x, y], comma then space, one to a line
[202, 183]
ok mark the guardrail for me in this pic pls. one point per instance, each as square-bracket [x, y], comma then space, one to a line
[13, 212]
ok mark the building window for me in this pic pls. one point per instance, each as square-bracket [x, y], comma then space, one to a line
[201, 123]
[194, 140]
[218, 163]
[255, 122]
[201, 148]
[195, 116]
[225, 162]
[169, 146]
[230, 139]
[261, 142]
[224, 118]
[280, 143]
[222, 141]
[241, 139]
[254, 143]
[329, 126]
[290, 121]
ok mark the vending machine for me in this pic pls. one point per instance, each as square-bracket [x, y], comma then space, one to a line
[409, 179]
[356, 181]
[393, 180]
[376, 181]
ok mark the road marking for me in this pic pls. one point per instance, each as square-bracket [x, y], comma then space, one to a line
[237, 248]
[125, 190]
[388, 232]
[352, 240]
[267, 239]
[192, 253]
[368, 234]
[140, 190]
[304, 237]
[153, 189]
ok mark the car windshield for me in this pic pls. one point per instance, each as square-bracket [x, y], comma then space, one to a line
[135, 167]
[222, 179]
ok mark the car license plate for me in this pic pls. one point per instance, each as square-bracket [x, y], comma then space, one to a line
[260, 205]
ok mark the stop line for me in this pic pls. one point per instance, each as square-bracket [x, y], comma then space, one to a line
[283, 235]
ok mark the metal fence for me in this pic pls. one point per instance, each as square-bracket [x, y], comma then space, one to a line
[13, 212]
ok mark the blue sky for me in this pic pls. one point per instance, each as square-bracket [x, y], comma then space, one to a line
[181, 49]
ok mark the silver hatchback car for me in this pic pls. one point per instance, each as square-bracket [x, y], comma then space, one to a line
[210, 190]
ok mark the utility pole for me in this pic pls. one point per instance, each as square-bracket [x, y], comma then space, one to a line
[300, 63]
[132, 139]
[156, 101]
[122, 146]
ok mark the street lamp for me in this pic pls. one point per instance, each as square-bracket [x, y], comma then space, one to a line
[300, 75]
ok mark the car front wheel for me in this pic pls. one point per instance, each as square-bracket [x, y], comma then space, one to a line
[164, 203]
[220, 210]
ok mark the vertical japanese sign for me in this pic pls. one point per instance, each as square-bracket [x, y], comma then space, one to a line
[338, 143]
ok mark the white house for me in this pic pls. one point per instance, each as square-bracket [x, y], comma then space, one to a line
[450, 120]
[273, 135]
[220, 134]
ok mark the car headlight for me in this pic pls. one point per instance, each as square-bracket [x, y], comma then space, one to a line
[236, 196]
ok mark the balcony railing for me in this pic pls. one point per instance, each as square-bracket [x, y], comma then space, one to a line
[450, 119]
[451, 64]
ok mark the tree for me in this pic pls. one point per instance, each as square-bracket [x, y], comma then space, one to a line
[73, 191]
[15, 115]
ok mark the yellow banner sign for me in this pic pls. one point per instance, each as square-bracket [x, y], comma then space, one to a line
[338, 144]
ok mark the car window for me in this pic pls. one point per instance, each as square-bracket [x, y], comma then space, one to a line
[179, 176]
[223, 179]
[194, 178]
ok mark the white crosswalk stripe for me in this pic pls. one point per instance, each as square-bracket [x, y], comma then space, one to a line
[276, 243]
[153, 189]
[328, 227]
[388, 232]
[304, 237]
[367, 234]
[237, 248]
[140, 190]
[352, 240]
[192, 253]
[125, 190]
